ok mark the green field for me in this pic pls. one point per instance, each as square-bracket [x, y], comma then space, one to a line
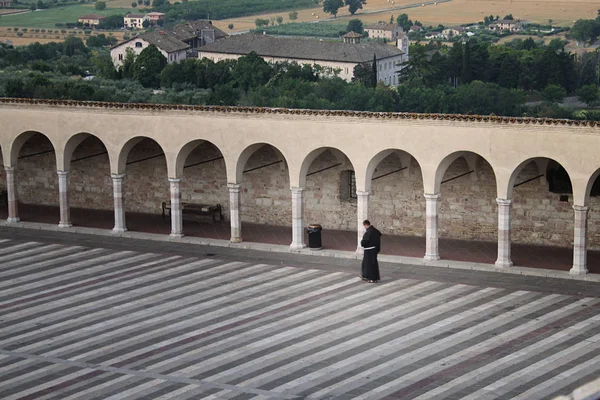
[49, 17]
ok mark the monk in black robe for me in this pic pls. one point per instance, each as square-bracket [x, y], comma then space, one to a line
[371, 242]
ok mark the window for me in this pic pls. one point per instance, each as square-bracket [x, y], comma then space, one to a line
[120, 57]
[138, 44]
[348, 186]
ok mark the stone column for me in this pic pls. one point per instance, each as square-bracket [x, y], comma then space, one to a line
[297, 219]
[119, 206]
[63, 200]
[580, 241]
[235, 206]
[11, 191]
[362, 213]
[432, 252]
[176, 209]
[504, 244]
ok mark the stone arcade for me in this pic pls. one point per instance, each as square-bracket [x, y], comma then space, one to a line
[465, 177]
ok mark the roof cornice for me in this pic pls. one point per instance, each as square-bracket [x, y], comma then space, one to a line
[292, 111]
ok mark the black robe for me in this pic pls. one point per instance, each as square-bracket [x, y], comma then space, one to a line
[371, 242]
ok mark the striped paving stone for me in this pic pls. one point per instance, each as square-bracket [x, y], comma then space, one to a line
[88, 323]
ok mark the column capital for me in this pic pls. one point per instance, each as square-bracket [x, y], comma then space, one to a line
[62, 173]
[432, 196]
[234, 187]
[175, 180]
[10, 169]
[117, 176]
[581, 208]
[297, 190]
[362, 194]
[504, 202]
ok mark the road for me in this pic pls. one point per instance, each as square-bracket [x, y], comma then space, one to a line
[84, 317]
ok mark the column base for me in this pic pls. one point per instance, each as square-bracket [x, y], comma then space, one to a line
[297, 246]
[176, 235]
[13, 220]
[64, 225]
[578, 271]
[119, 230]
[431, 257]
[236, 240]
[503, 264]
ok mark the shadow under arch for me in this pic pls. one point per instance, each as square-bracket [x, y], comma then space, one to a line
[74, 142]
[310, 158]
[125, 150]
[543, 165]
[471, 159]
[593, 186]
[18, 142]
[244, 156]
[405, 162]
[184, 153]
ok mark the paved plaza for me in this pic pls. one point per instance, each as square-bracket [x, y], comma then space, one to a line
[85, 317]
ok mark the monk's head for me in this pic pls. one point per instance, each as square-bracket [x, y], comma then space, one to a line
[366, 223]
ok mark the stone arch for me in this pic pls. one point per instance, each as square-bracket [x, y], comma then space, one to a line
[541, 164]
[471, 160]
[183, 154]
[314, 154]
[123, 153]
[592, 183]
[405, 161]
[241, 160]
[12, 151]
[72, 144]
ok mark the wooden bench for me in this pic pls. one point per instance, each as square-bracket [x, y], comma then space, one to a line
[195, 211]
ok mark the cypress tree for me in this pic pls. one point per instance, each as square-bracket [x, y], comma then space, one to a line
[374, 78]
[467, 72]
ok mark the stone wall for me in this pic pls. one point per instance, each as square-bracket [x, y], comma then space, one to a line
[468, 207]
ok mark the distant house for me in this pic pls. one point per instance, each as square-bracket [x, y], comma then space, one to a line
[434, 35]
[91, 20]
[453, 32]
[382, 30]
[197, 33]
[154, 17]
[506, 25]
[6, 3]
[172, 48]
[415, 28]
[135, 21]
[332, 57]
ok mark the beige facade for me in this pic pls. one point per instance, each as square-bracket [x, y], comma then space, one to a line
[136, 45]
[91, 20]
[154, 17]
[506, 25]
[426, 175]
[385, 31]
[134, 21]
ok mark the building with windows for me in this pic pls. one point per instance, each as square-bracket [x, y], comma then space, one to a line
[91, 20]
[509, 25]
[382, 30]
[6, 3]
[173, 49]
[197, 33]
[333, 56]
[155, 17]
[135, 21]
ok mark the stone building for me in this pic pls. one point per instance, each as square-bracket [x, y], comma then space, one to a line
[155, 17]
[197, 33]
[135, 21]
[503, 180]
[506, 25]
[382, 30]
[173, 49]
[91, 20]
[333, 56]
[6, 3]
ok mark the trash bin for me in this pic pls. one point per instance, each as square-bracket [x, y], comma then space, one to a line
[314, 236]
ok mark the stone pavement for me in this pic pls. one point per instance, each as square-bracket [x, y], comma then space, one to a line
[542, 257]
[88, 317]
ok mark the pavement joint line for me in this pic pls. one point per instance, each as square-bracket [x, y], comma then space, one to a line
[339, 254]
[150, 375]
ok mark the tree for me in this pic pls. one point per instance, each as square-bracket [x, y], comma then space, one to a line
[100, 5]
[260, 22]
[74, 46]
[363, 73]
[355, 25]
[404, 22]
[251, 71]
[14, 88]
[589, 94]
[508, 17]
[148, 66]
[355, 5]
[293, 15]
[467, 71]
[279, 19]
[134, 4]
[146, 23]
[554, 93]
[392, 19]
[159, 3]
[230, 26]
[588, 75]
[585, 30]
[112, 21]
[332, 6]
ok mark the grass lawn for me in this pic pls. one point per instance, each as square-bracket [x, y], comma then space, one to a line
[49, 17]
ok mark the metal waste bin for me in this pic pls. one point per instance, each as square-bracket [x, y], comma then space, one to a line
[314, 237]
